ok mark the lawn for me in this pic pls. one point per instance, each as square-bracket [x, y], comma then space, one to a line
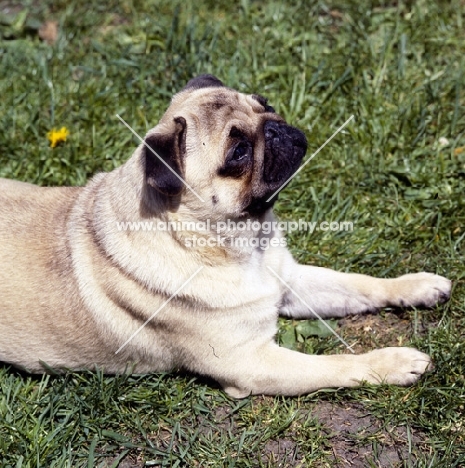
[397, 171]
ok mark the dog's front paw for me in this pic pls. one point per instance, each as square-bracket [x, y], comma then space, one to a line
[397, 366]
[420, 290]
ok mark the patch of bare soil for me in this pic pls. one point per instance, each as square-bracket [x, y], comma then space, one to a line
[370, 331]
[359, 440]
[10, 8]
[281, 453]
[356, 440]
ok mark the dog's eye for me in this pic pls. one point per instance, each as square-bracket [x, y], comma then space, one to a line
[240, 152]
[238, 161]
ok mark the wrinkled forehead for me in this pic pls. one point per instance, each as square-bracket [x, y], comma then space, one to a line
[220, 105]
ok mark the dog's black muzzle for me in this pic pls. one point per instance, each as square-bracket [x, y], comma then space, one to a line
[285, 146]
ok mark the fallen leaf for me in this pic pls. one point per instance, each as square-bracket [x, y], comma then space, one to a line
[48, 32]
[308, 328]
[336, 14]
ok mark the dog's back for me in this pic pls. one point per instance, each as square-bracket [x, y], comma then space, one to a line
[33, 258]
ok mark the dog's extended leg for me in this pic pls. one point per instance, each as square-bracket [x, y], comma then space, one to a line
[336, 294]
[272, 370]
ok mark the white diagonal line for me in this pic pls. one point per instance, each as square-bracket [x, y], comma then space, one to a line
[161, 159]
[312, 156]
[158, 310]
[313, 312]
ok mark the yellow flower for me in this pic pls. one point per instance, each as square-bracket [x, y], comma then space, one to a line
[57, 136]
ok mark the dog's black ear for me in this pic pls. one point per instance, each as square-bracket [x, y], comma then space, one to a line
[203, 81]
[164, 158]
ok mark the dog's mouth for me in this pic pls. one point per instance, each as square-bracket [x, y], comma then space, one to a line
[260, 205]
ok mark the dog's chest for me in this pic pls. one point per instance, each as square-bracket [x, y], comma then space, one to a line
[238, 286]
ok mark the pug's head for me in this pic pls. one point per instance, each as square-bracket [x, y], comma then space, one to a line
[220, 153]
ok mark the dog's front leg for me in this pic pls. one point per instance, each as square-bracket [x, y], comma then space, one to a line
[334, 294]
[272, 370]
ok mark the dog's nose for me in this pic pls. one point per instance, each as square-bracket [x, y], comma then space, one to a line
[277, 130]
[285, 146]
[271, 129]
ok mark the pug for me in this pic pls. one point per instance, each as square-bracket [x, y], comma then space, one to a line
[81, 290]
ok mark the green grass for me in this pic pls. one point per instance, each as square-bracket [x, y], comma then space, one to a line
[399, 68]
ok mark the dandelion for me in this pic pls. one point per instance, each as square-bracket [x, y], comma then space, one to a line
[57, 136]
